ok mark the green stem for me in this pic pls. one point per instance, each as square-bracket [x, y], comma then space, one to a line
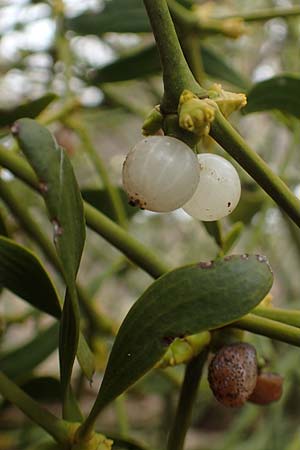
[187, 398]
[109, 230]
[234, 144]
[120, 408]
[176, 73]
[267, 14]
[98, 322]
[51, 424]
[112, 191]
[192, 50]
[289, 317]
[134, 250]
[191, 21]
[62, 47]
[69, 106]
[269, 328]
[19, 167]
[20, 211]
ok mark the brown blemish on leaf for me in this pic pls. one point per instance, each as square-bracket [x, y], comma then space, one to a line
[261, 258]
[206, 264]
[229, 257]
[245, 256]
[57, 230]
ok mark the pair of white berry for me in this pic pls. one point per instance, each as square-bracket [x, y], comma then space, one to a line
[162, 174]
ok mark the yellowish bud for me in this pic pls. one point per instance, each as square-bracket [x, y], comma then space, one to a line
[195, 114]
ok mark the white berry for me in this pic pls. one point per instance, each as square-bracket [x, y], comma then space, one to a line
[160, 173]
[218, 191]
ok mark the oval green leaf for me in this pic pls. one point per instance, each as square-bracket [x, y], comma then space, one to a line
[217, 67]
[23, 274]
[29, 109]
[19, 363]
[119, 16]
[281, 92]
[185, 301]
[145, 62]
[60, 191]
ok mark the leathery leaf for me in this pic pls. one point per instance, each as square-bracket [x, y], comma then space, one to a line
[185, 301]
[65, 207]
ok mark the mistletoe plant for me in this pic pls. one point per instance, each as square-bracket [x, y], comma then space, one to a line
[187, 312]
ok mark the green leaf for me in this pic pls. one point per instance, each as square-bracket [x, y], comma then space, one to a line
[22, 273]
[85, 358]
[281, 92]
[137, 64]
[46, 389]
[3, 225]
[64, 203]
[216, 66]
[185, 301]
[119, 16]
[60, 190]
[144, 62]
[29, 109]
[99, 199]
[18, 363]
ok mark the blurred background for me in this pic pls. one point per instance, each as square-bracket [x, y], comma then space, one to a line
[94, 65]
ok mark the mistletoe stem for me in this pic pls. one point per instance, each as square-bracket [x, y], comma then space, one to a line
[176, 73]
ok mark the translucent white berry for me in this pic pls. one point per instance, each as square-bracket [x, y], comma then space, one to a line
[160, 173]
[218, 191]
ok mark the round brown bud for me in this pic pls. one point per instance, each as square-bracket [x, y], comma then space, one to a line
[232, 374]
[268, 389]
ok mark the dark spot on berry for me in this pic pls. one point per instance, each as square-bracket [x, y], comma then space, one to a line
[229, 204]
